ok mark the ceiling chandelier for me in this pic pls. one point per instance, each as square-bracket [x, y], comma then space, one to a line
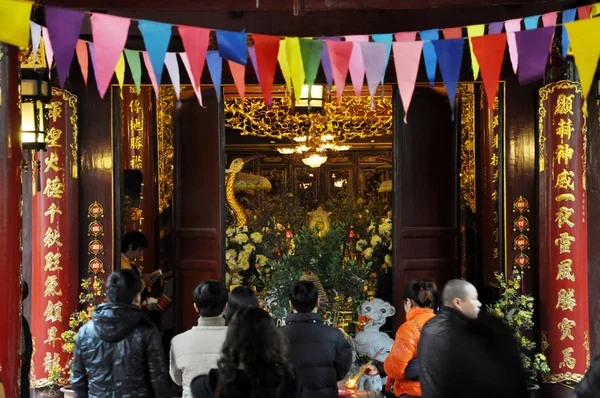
[316, 139]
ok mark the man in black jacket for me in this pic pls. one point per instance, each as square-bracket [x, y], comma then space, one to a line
[320, 354]
[460, 303]
[119, 353]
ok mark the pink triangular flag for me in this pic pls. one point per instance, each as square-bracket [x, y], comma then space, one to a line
[452, 33]
[195, 43]
[584, 12]
[375, 56]
[82, 57]
[173, 69]
[512, 26]
[188, 68]
[339, 55]
[110, 34]
[357, 64]
[549, 19]
[405, 36]
[36, 34]
[407, 57]
[48, 48]
[238, 71]
[148, 64]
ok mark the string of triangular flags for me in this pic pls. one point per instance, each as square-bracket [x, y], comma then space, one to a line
[360, 56]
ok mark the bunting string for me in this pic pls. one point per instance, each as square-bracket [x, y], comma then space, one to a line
[363, 57]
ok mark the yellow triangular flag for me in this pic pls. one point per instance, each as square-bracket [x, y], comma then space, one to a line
[295, 63]
[583, 36]
[474, 31]
[120, 72]
[15, 22]
[283, 64]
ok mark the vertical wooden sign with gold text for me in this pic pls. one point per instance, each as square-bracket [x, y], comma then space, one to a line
[563, 231]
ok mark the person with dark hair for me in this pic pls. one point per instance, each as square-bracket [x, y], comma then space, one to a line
[27, 349]
[419, 299]
[240, 297]
[589, 387]
[253, 362]
[196, 351]
[133, 245]
[118, 353]
[320, 354]
[461, 304]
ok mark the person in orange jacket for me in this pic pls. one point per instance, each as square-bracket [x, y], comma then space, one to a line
[419, 302]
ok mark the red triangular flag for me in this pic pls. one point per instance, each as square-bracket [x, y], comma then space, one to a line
[267, 49]
[584, 12]
[238, 72]
[195, 43]
[452, 33]
[82, 57]
[339, 55]
[489, 50]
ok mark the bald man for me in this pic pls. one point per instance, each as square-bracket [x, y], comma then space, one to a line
[460, 304]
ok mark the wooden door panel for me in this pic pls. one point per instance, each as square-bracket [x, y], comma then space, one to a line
[425, 193]
[199, 200]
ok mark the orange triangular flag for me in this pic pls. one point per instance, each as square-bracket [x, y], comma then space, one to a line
[82, 56]
[489, 50]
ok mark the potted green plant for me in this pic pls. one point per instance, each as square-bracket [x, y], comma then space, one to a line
[92, 294]
[516, 309]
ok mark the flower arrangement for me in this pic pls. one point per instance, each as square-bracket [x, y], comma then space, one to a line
[91, 295]
[516, 310]
[376, 246]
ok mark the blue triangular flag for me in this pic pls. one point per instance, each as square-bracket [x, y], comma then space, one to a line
[156, 39]
[233, 46]
[429, 52]
[567, 16]
[531, 22]
[387, 39]
[450, 55]
[215, 68]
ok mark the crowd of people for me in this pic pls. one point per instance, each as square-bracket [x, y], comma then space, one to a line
[445, 349]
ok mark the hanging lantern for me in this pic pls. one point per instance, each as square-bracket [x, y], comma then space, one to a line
[289, 234]
[352, 234]
[35, 94]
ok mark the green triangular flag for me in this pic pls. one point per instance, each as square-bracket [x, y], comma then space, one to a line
[135, 66]
[311, 58]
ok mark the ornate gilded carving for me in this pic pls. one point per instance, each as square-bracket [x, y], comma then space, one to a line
[467, 145]
[542, 112]
[27, 61]
[351, 118]
[166, 146]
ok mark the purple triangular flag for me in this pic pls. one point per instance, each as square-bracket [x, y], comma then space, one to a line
[93, 57]
[449, 54]
[326, 62]
[495, 28]
[173, 70]
[64, 26]
[375, 58]
[533, 47]
[252, 53]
